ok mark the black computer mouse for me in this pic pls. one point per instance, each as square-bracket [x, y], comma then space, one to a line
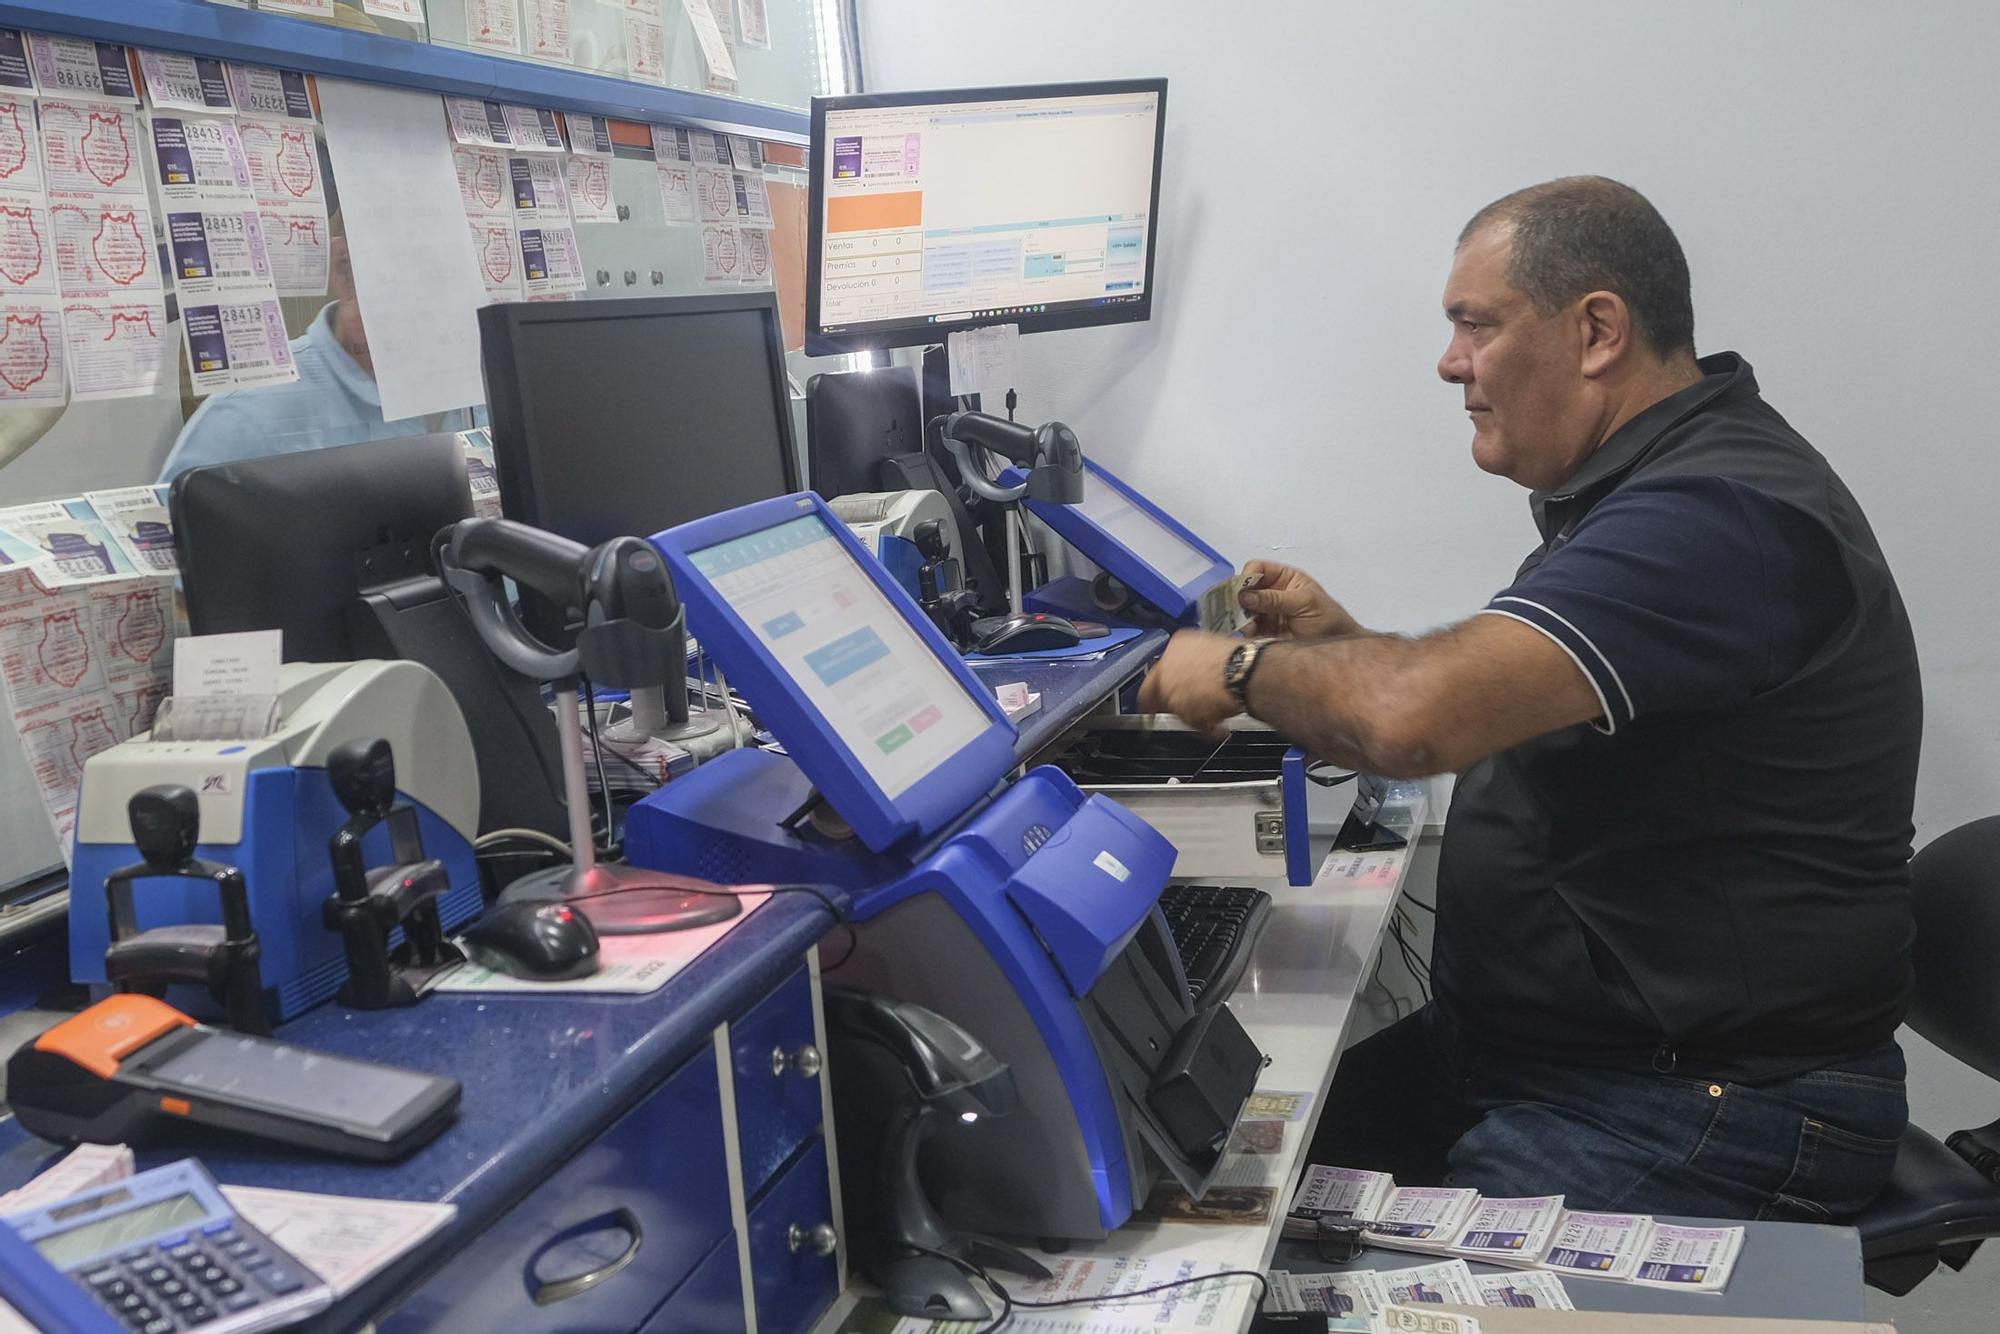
[1023, 632]
[543, 940]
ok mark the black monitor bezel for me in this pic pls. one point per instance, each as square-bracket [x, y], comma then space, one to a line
[519, 460]
[821, 343]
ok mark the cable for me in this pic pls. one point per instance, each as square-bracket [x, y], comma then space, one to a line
[549, 841]
[729, 707]
[597, 754]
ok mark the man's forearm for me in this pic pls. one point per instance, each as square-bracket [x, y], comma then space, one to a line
[1346, 700]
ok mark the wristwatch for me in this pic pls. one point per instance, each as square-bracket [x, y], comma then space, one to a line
[1236, 671]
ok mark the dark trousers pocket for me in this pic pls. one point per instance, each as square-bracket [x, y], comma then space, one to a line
[1835, 1173]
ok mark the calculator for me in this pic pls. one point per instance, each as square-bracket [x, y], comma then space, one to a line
[164, 1251]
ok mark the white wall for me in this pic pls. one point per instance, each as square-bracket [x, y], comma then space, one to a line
[1828, 164]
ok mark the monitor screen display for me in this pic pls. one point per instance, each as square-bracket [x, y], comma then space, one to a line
[880, 688]
[935, 211]
[622, 418]
[1155, 544]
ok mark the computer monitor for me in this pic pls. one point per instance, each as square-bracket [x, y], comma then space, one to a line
[615, 418]
[876, 708]
[332, 547]
[935, 211]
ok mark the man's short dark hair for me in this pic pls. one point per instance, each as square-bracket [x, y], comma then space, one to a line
[1585, 234]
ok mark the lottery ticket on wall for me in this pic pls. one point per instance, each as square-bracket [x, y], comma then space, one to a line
[551, 261]
[745, 154]
[406, 11]
[17, 73]
[532, 129]
[753, 23]
[107, 267]
[176, 82]
[484, 190]
[721, 255]
[754, 244]
[291, 202]
[715, 34]
[83, 669]
[27, 250]
[32, 372]
[115, 348]
[676, 191]
[236, 339]
[645, 35]
[752, 198]
[494, 25]
[305, 9]
[589, 136]
[201, 162]
[715, 195]
[590, 198]
[475, 123]
[275, 94]
[74, 67]
[710, 150]
[547, 28]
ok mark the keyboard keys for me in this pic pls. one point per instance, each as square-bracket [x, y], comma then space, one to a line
[226, 1287]
[185, 1250]
[236, 1247]
[239, 1301]
[184, 1301]
[102, 1278]
[157, 1274]
[199, 1315]
[162, 1325]
[173, 1287]
[278, 1279]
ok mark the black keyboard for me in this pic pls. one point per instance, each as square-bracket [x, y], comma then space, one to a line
[1214, 927]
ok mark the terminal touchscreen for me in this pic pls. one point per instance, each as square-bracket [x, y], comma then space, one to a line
[1139, 544]
[865, 695]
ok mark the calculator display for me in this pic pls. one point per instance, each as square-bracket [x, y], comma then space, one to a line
[131, 1228]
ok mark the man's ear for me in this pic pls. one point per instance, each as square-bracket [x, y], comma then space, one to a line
[1604, 323]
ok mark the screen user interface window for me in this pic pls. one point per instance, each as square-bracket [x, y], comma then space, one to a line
[964, 212]
[881, 689]
[1156, 545]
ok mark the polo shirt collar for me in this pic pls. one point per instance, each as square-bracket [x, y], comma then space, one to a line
[1725, 377]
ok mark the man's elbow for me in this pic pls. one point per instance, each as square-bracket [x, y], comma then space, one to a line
[1398, 741]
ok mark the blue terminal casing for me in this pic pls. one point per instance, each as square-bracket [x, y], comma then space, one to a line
[289, 814]
[1182, 601]
[880, 821]
[1051, 883]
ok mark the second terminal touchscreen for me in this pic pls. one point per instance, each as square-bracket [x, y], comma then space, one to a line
[877, 683]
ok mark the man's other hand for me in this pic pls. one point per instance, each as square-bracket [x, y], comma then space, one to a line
[1187, 681]
[1289, 604]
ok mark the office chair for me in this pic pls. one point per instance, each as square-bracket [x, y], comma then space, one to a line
[1942, 1200]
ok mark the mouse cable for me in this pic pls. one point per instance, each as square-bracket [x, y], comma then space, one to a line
[826, 900]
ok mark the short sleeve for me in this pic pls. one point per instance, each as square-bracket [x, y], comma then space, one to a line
[1690, 593]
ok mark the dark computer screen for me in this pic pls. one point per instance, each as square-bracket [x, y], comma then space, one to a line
[621, 418]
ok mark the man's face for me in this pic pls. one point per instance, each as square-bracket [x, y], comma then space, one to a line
[1535, 415]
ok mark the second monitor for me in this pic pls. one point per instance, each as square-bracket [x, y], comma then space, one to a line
[616, 418]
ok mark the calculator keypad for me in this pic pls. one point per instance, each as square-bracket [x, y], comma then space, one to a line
[188, 1282]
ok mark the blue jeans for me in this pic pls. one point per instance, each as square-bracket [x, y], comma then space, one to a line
[1422, 1101]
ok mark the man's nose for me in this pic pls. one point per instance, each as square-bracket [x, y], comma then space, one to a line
[1454, 367]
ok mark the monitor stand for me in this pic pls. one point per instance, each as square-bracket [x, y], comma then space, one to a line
[617, 900]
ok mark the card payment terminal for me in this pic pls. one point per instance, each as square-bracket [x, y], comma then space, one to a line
[131, 1065]
[165, 1251]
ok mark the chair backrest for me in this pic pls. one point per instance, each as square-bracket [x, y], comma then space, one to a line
[1955, 882]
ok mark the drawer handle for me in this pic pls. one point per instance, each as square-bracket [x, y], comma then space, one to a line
[806, 1061]
[820, 1238]
[562, 1289]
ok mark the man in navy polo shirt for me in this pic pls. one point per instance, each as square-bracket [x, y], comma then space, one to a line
[1673, 922]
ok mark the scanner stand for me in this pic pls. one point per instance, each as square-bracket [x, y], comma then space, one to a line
[166, 826]
[367, 904]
